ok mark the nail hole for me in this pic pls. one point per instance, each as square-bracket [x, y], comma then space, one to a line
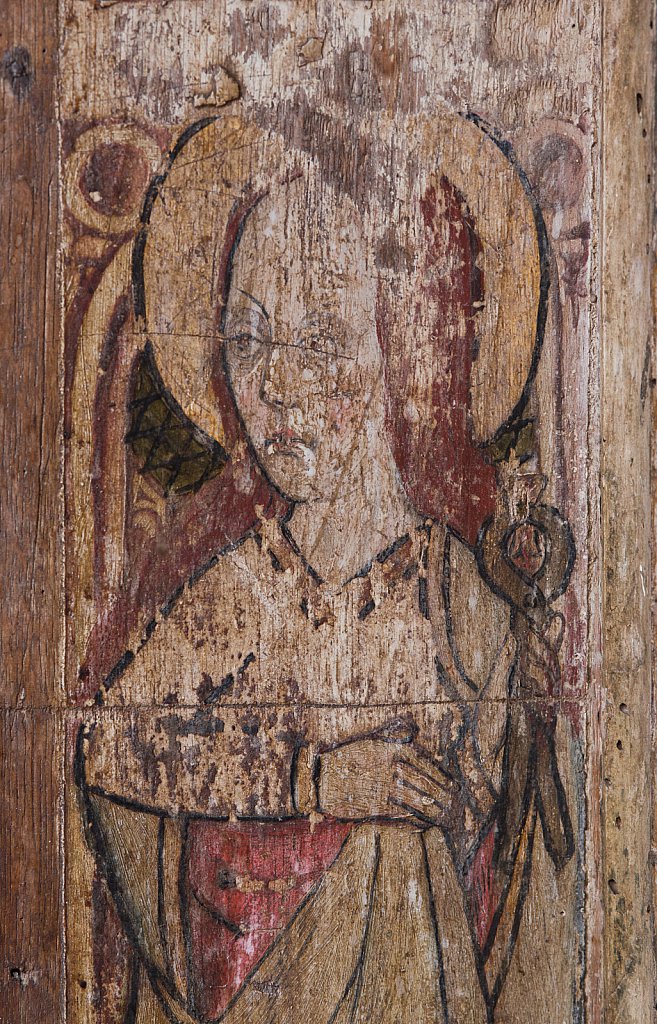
[644, 133]
[82, 983]
[619, 744]
[619, 821]
[613, 885]
[624, 709]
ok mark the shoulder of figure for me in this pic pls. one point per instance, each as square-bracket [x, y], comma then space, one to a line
[475, 621]
[206, 617]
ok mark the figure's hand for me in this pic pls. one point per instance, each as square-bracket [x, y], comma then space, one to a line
[383, 775]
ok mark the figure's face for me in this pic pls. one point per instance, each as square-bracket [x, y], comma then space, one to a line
[301, 350]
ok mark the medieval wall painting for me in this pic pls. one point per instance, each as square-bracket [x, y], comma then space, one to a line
[325, 375]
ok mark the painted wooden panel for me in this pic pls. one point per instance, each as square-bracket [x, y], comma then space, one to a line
[351, 725]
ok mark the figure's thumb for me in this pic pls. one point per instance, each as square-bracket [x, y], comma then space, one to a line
[398, 730]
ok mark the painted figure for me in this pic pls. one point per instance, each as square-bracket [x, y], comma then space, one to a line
[342, 726]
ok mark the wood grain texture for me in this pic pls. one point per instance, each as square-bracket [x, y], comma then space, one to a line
[178, 723]
[31, 619]
[30, 309]
[537, 76]
[626, 331]
[31, 862]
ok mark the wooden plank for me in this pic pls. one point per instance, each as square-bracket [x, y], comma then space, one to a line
[31, 408]
[31, 758]
[194, 655]
[227, 810]
[31, 865]
[626, 331]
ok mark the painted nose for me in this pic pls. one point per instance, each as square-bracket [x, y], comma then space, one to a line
[277, 379]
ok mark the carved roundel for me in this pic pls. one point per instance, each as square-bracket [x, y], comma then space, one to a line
[107, 174]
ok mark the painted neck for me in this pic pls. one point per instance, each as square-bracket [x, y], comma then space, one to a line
[340, 534]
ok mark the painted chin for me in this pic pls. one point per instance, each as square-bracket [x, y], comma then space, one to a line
[291, 465]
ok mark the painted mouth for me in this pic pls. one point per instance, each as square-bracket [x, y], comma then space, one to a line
[290, 445]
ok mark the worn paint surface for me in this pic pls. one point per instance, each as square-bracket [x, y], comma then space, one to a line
[345, 337]
[337, 746]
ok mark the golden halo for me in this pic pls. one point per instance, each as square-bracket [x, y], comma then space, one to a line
[218, 164]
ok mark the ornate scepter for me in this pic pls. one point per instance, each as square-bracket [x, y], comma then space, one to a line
[526, 554]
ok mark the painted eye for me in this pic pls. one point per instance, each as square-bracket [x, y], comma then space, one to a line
[246, 348]
[318, 344]
[317, 341]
